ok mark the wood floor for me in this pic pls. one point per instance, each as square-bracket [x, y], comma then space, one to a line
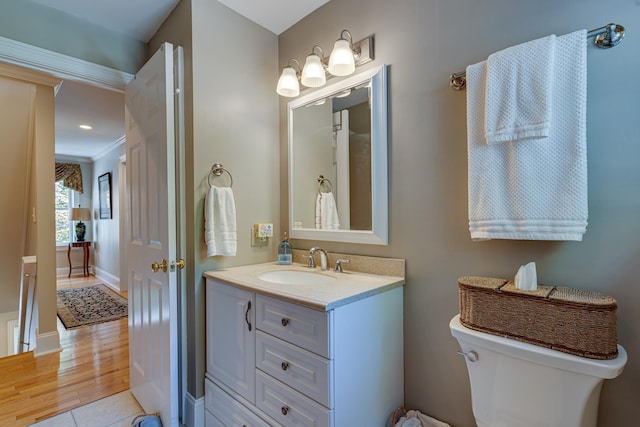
[93, 364]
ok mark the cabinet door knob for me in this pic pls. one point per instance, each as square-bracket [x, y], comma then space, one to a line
[285, 321]
[284, 410]
[284, 366]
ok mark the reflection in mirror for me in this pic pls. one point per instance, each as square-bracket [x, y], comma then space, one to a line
[338, 161]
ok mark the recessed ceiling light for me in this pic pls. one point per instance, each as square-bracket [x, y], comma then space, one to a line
[86, 127]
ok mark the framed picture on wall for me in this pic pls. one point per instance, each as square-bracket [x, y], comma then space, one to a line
[104, 189]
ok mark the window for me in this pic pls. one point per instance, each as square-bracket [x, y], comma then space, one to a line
[62, 212]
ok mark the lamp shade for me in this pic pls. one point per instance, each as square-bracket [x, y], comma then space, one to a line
[341, 61]
[313, 74]
[288, 83]
[80, 214]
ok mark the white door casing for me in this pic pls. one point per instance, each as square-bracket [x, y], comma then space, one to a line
[151, 237]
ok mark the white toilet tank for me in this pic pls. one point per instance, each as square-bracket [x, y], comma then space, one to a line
[516, 384]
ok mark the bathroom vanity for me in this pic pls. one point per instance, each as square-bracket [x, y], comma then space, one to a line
[287, 345]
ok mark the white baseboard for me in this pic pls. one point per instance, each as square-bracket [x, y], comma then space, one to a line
[108, 278]
[47, 343]
[193, 411]
[64, 271]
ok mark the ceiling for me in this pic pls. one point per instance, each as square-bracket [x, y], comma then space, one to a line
[103, 109]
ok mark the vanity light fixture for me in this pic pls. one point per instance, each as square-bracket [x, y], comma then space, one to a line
[313, 74]
[288, 82]
[85, 127]
[344, 59]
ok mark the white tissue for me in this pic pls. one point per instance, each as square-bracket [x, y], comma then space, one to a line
[526, 277]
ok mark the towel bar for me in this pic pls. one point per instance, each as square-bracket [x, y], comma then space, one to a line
[217, 169]
[323, 180]
[605, 37]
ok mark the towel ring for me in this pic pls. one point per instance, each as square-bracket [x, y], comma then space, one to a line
[323, 180]
[217, 169]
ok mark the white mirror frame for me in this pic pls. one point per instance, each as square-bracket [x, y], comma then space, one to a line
[378, 235]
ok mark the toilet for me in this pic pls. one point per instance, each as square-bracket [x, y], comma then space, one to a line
[516, 384]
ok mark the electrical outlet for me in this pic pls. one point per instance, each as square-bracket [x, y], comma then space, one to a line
[257, 242]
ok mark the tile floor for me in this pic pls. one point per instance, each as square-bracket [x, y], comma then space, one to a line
[113, 411]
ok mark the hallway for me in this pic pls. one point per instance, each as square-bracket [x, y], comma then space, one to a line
[93, 364]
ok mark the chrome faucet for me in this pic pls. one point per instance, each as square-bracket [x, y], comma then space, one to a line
[323, 257]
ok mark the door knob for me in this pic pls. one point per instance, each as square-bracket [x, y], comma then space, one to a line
[179, 263]
[155, 267]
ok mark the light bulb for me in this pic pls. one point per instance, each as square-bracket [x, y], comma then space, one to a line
[313, 74]
[341, 61]
[288, 83]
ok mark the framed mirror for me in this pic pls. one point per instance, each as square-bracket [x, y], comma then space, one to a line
[338, 184]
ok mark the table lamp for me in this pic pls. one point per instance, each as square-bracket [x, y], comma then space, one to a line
[80, 214]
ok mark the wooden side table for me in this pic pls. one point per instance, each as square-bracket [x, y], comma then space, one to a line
[85, 260]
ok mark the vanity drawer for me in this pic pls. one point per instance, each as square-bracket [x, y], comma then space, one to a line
[304, 371]
[298, 325]
[287, 406]
[226, 411]
[211, 421]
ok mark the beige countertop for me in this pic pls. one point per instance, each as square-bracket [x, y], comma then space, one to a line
[347, 288]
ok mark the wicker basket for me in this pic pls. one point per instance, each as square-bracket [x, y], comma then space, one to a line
[574, 321]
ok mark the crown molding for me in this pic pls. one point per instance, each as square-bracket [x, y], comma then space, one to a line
[109, 148]
[61, 66]
[29, 76]
[64, 158]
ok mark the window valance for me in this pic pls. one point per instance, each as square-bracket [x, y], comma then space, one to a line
[70, 174]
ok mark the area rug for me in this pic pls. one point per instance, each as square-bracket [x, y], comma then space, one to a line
[90, 305]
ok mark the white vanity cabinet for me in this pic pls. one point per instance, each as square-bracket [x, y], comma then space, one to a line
[231, 338]
[273, 362]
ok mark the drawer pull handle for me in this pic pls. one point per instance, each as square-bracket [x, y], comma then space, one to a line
[284, 366]
[284, 410]
[246, 315]
[284, 321]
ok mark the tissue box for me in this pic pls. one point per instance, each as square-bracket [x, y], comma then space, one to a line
[574, 321]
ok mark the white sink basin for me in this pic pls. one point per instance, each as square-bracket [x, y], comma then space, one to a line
[295, 277]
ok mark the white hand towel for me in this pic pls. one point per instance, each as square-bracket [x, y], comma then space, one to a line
[537, 189]
[518, 91]
[318, 211]
[326, 212]
[220, 222]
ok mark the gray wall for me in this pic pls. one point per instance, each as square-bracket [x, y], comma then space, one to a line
[231, 117]
[106, 237]
[424, 41]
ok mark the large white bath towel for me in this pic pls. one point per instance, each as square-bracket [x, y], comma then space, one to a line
[518, 91]
[534, 189]
[326, 212]
[220, 222]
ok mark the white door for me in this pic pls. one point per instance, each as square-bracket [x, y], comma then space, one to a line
[151, 237]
